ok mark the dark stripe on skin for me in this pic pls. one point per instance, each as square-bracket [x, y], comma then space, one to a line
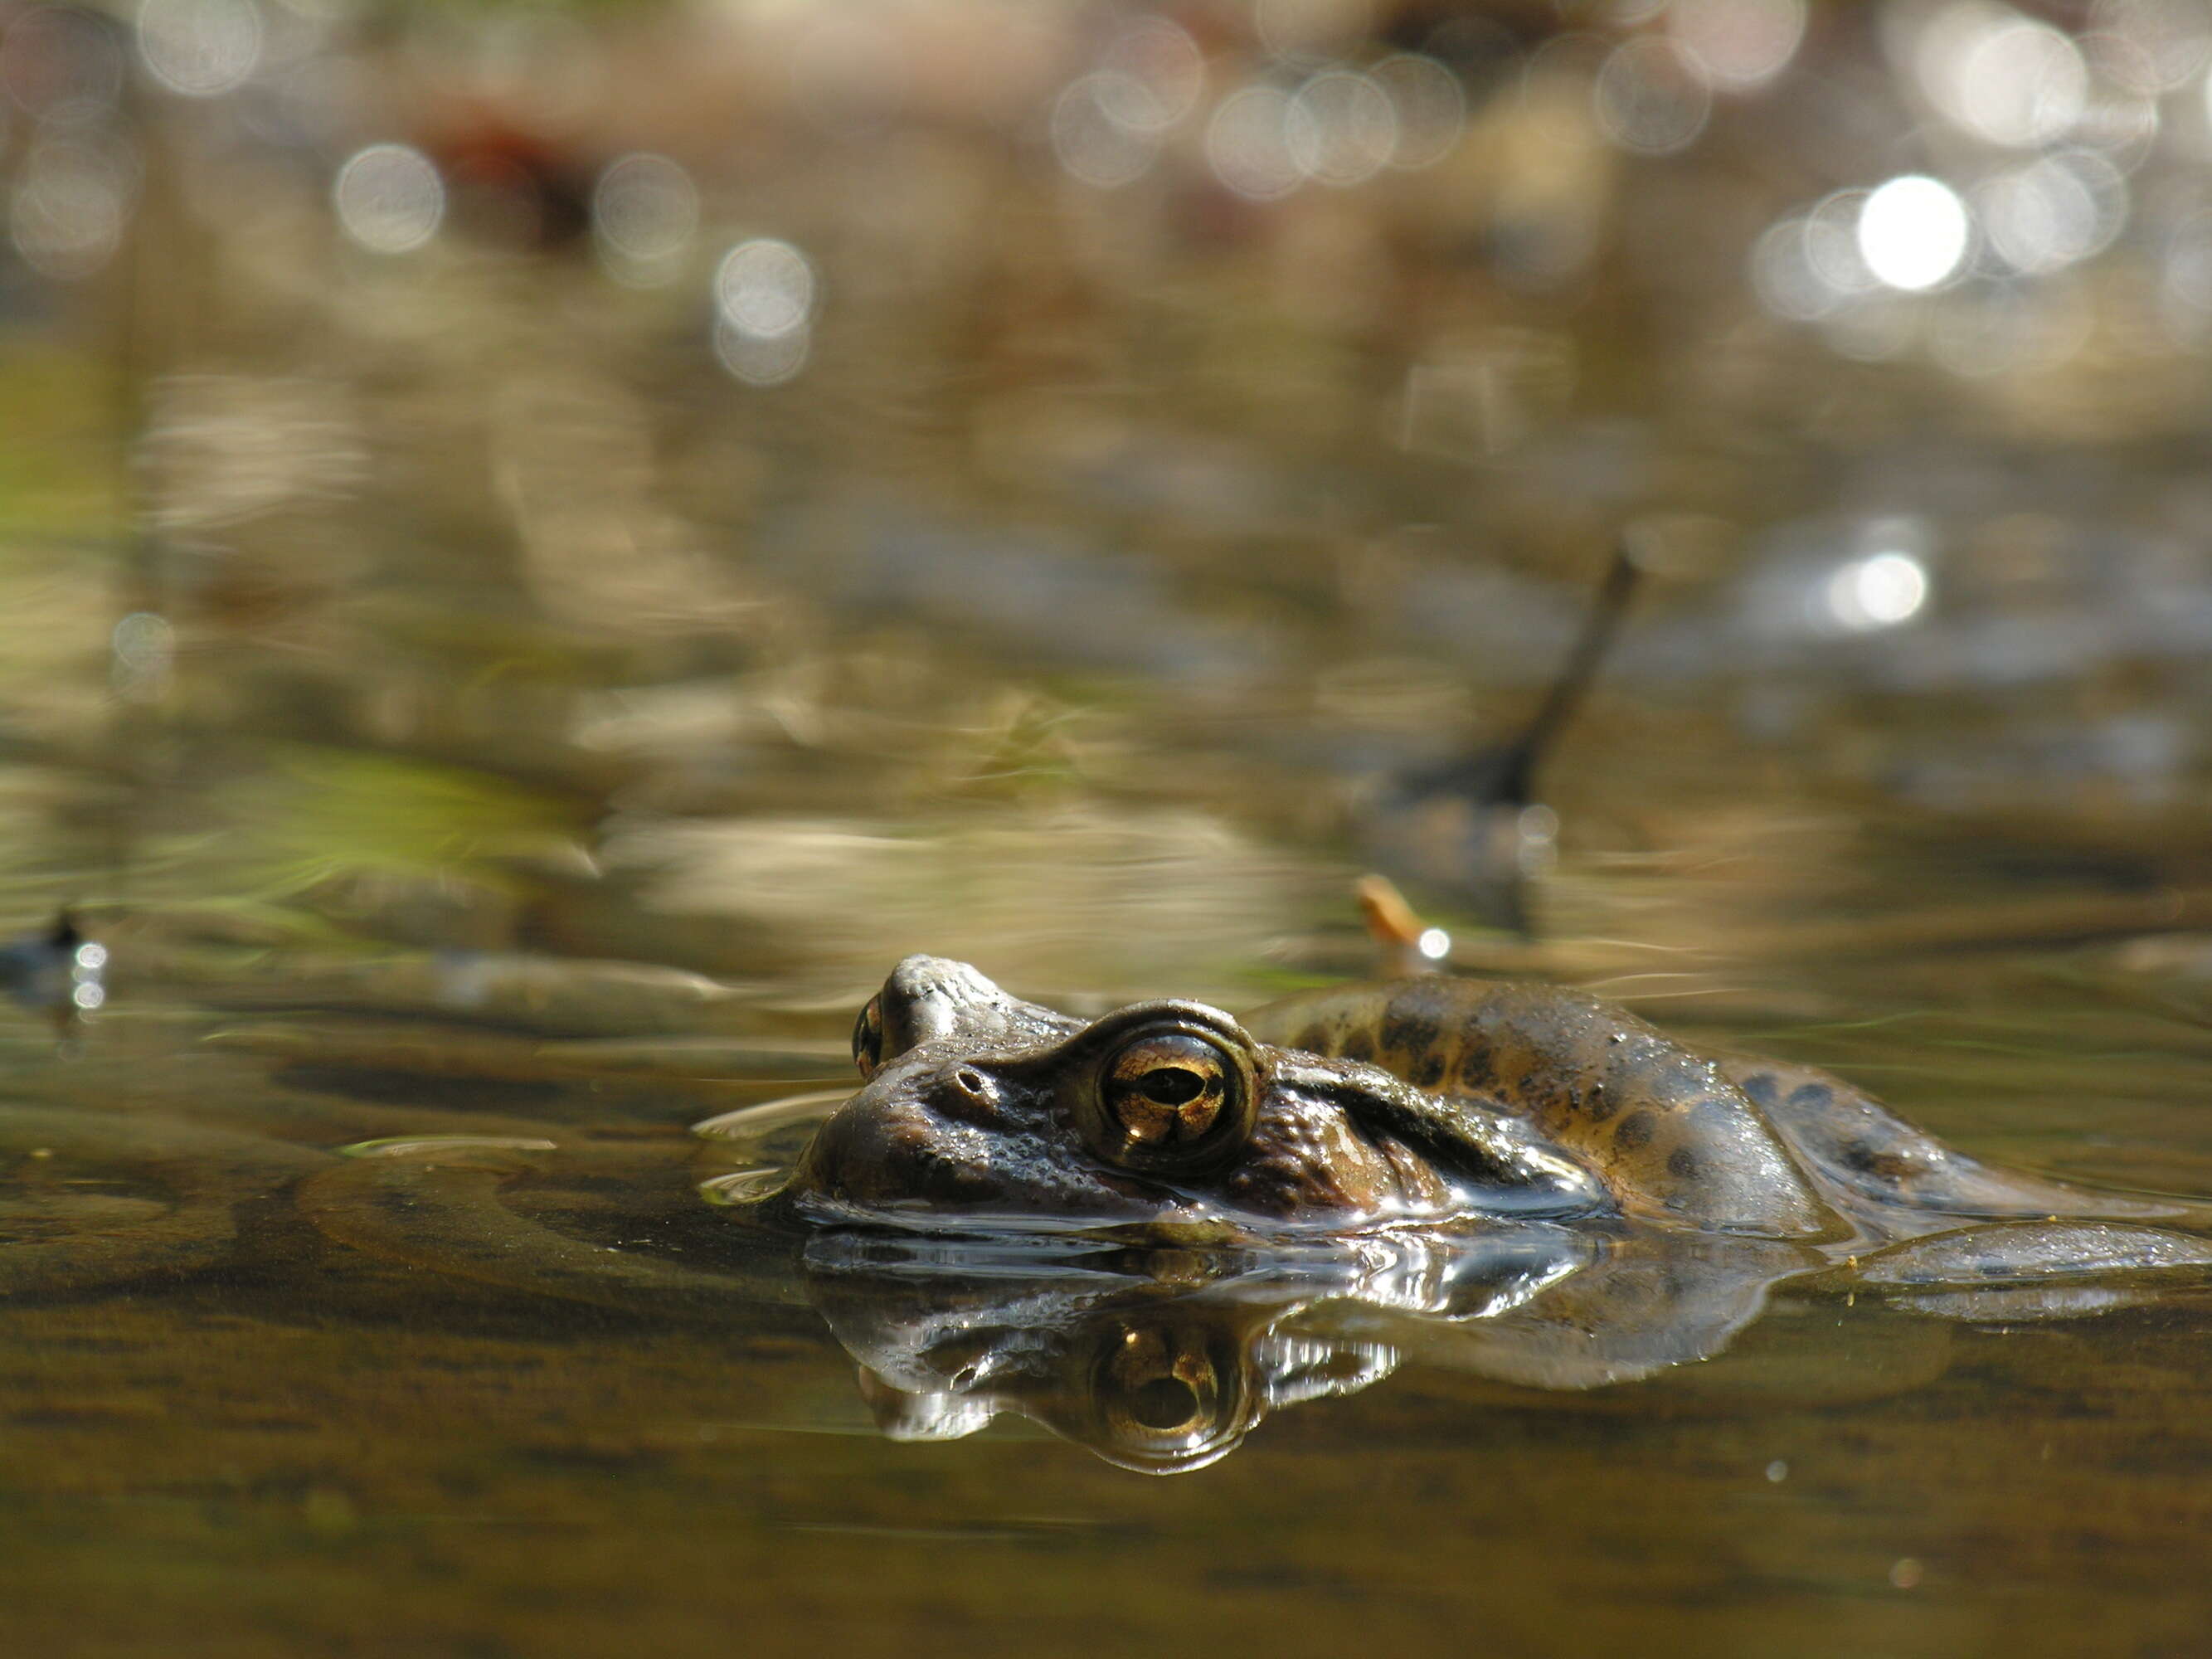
[1413, 1023]
[1477, 1072]
[1459, 1139]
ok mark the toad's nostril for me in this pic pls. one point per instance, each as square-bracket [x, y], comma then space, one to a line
[966, 1094]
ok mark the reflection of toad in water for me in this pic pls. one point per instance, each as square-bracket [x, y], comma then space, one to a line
[1163, 1360]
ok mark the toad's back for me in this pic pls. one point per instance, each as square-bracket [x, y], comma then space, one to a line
[1733, 1144]
[1666, 1130]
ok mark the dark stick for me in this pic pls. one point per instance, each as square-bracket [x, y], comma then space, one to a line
[1512, 769]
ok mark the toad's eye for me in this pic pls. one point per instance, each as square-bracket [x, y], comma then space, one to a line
[868, 1037]
[1167, 1093]
[1160, 1088]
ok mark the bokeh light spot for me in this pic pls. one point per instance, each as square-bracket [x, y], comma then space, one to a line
[71, 206]
[2000, 76]
[1737, 44]
[2169, 41]
[143, 646]
[1158, 60]
[143, 639]
[1882, 591]
[200, 48]
[764, 289]
[1106, 127]
[1784, 275]
[1430, 109]
[389, 199]
[1248, 147]
[645, 211]
[1648, 100]
[2054, 212]
[1341, 129]
[1913, 232]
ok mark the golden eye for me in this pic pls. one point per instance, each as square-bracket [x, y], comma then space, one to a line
[868, 1038]
[1167, 1093]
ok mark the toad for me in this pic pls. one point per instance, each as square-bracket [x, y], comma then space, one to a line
[1419, 1101]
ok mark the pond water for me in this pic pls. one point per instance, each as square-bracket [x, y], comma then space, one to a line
[540, 554]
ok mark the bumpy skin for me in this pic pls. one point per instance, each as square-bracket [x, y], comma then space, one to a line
[1667, 1132]
[1414, 1100]
[1731, 1145]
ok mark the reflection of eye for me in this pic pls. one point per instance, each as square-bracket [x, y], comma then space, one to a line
[1155, 1386]
[868, 1037]
[1167, 1093]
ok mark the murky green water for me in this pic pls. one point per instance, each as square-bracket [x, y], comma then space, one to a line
[493, 722]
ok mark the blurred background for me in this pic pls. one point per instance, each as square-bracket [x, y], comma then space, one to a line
[755, 488]
[544, 546]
